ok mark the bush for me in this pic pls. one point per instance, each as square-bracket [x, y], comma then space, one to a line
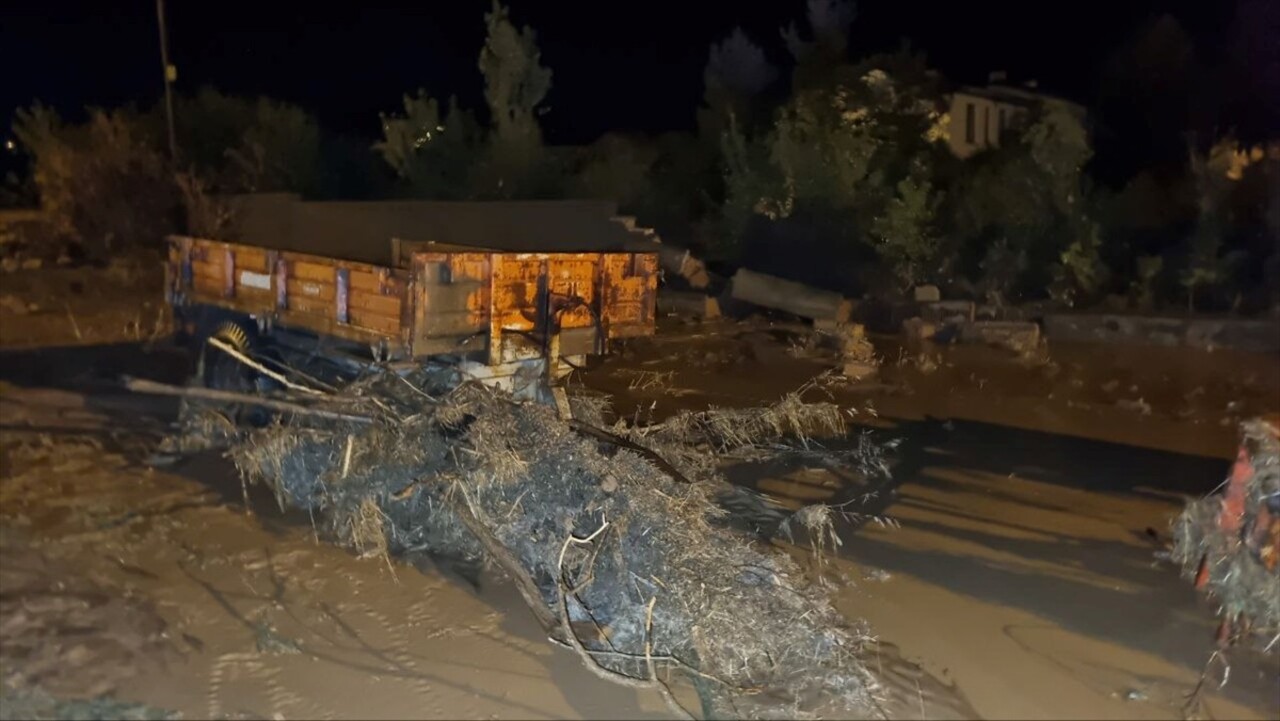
[102, 185]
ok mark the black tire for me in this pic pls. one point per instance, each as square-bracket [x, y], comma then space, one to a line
[222, 371]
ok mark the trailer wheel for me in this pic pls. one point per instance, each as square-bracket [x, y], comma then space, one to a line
[222, 371]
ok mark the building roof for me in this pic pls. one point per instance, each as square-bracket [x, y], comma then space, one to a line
[1014, 95]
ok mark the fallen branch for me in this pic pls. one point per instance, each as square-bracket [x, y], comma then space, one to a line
[652, 456]
[141, 385]
[575, 643]
[234, 353]
[503, 557]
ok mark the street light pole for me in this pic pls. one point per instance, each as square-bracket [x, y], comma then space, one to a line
[168, 80]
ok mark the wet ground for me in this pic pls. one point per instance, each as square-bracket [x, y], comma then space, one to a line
[1013, 566]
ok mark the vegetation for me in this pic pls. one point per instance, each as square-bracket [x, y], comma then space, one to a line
[102, 184]
[830, 170]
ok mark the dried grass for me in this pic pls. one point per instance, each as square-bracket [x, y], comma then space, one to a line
[681, 594]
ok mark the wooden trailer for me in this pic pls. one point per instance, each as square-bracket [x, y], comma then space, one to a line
[473, 304]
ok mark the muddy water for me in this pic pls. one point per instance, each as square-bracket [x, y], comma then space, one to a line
[1020, 579]
[911, 692]
[1019, 583]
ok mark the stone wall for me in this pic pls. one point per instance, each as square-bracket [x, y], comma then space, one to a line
[1253, 335]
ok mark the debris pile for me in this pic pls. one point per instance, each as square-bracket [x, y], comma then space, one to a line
[857, 354]
[613, 535]
[1229, 542]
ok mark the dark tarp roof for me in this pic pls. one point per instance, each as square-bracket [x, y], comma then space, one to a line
[362, 230]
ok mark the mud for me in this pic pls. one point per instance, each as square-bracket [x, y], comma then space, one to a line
[1012, 572]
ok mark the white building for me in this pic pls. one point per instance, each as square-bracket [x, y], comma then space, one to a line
[981, 115]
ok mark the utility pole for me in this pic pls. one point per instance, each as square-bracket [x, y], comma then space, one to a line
[170, 74]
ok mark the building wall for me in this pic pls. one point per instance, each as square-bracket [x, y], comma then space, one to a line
[989, 118]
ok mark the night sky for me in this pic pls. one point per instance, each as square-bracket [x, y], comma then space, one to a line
[620, 64]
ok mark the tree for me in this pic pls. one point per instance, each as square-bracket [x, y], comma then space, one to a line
[248, 145]
[1025, 201]
[904, 234]
[826, 48]
[749, 182]
[617, 167]
[853, 147]
[736, 74]
[1207, 265]
[432, 151]
[102, 184]
[516, 84]
[829, 23]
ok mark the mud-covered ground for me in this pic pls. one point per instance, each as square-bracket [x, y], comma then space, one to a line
[1016, 575]
[83, 305]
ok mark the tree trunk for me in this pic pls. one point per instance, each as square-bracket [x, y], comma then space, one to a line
[795, 298]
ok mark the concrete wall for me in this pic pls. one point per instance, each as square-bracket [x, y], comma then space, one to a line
[362, 230]
[1256, 336]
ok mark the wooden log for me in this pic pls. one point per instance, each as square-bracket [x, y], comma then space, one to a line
[790, 296]
[680, 262]
[507, 561]
[690, 303]
[141, 385]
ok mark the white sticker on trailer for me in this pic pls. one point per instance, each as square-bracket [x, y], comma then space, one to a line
[250, 279]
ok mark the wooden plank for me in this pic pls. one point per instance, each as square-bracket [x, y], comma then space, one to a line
[367, 282]
[259, 298]
[374, 321]
[211, 271]
[311, 306]
[383, 304]
[248, 307]
[313, 271]
[327, 326]
[296, 288]
[249, 257]
[206, 285]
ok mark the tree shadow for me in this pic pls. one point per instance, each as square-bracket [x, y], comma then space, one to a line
[1114, 590]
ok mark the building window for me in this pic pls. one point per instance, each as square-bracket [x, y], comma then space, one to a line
[969, 113]
[1003, 121]
[986, 125]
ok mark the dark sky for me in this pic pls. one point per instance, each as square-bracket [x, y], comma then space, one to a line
[630, 64]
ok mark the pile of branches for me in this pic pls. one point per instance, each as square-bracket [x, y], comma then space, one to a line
[1229, 542]
[613, 534]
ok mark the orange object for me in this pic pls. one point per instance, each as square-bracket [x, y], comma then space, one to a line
[1202, 575]
[1233, 499]
[434, 299]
